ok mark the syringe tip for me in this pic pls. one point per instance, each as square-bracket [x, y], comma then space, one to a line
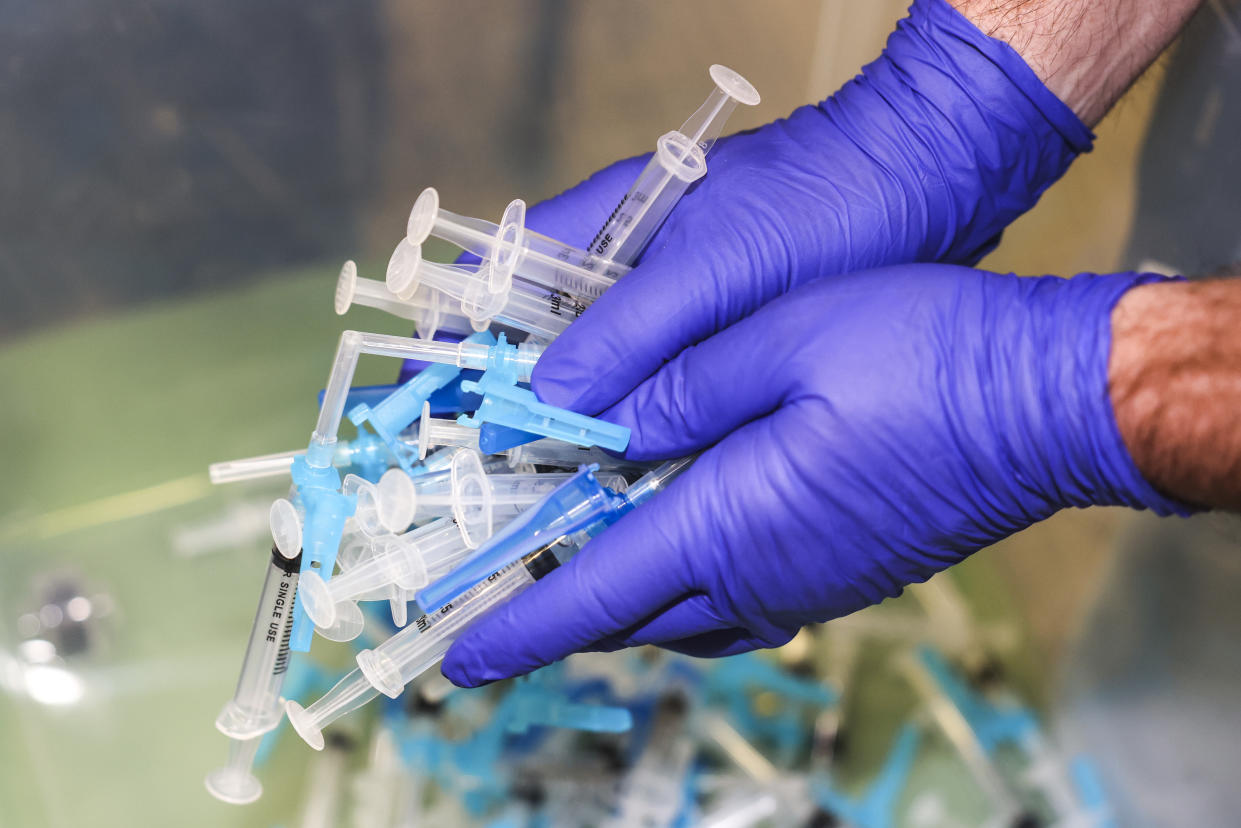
[236, 787]
[306, 728]
[734, 85]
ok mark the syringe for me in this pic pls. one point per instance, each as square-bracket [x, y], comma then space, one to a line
[577, 503]
[539, 311]
[399, 500]
[514, 249]
[255, 706]
[365, 448]
[479, 498]
[434, 432]
[440, 540]
[427, 309]
[653, 791]
[580, 508]
[679, 160]
[419, 646]
[318, 482]
[386, 506]
[518, 359]
[408, 562]
[396, 412]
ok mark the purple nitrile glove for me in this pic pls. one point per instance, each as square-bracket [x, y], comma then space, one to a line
[925, 156]
[862, 433]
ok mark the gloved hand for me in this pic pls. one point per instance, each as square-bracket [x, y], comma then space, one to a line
[865, 431]
[926, 156]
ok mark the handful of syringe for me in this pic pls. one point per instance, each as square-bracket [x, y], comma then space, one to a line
[524, 281]
[534, 544]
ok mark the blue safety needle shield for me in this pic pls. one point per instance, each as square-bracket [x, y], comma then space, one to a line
[578, 502]
[518, 408]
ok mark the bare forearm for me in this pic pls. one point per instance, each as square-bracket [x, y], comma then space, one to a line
[1088, 52]
[1175, 383]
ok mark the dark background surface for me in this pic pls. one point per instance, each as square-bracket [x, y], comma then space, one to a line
[154, 148]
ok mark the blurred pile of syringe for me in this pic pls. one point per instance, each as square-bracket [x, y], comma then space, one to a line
[461, 490]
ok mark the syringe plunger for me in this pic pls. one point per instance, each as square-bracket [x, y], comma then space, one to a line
[349, 694]
[235, 783]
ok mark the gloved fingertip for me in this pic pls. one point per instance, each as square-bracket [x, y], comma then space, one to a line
[462, 681]
[464, 667]
[563, 391]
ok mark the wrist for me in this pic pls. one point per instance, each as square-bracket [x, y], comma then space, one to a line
[1174, 378]
[1086, 53]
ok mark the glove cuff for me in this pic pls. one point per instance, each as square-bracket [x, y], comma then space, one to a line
[951, 35]
[968, 136]
[1084, 460]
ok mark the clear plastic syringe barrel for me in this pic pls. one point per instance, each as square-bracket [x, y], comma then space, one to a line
[518, 489]
[439, 543]
[349, 694]
[482, 500]
[255, 706]
[515, 249]
[408, 272]
[679, 160]
[677, 163]
[421, 645]
[476, 513]
[357, 688]
[538, 311]
[235, 782]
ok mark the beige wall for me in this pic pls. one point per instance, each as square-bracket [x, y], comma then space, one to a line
[632, 71]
